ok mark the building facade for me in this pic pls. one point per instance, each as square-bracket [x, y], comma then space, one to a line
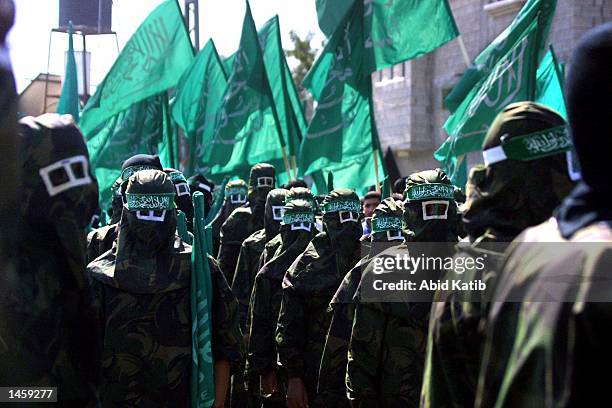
[409, 97]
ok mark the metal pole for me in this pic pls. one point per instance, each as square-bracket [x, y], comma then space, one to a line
[85, 84]
[44, 110]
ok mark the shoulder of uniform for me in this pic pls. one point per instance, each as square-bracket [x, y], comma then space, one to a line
[255, 237]
[548, 231]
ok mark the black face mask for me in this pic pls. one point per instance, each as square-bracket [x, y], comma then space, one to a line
[343, 235]
[433, 229]
[150, 236]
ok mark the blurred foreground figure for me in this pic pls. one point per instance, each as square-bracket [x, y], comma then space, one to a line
[48, 316]
[549, 337]
[9, 168]
[530, 186]
[142, 289]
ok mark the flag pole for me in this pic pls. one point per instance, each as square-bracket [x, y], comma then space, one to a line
[467, 61]
[464, 53]
[286, 160]
[294, 165]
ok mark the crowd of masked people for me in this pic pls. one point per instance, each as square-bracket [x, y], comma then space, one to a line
[105, 316]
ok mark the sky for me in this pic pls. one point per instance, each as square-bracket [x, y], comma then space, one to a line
[219, 19]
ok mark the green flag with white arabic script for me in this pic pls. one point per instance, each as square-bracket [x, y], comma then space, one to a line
[394, 30]
[512, 79]
[141, 128]
[341, 136]
[246, 130]
[541, 10]
[202, 365]
[152, 61]
[198, 99]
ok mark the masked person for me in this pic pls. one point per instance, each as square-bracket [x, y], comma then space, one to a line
[205, 186]
[183, 193]
[308, 287]
[296, 230]
[386, 231]
[9, 199]
[389, 334]
[48, 320]
[547, 341]
[142, 287]
[246, 269]
[101, 239]
[530, 186]
[245, 220]
[235, 195]
[295, 193]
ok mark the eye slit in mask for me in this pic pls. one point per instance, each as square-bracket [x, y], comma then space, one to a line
[348, 216]
[435, 210]
[151, 215]
[304, 226]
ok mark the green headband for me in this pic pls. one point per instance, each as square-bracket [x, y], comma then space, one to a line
[382, 224]
[342, 205]
[530, 147]
[129, 171]
[156, 202]
[177, 176]
[430, 191]
[309, 200]
[298, 218]
[229, 191]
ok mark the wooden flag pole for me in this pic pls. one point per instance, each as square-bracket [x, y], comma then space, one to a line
[294, 165]
[286, 160]
[464, 53]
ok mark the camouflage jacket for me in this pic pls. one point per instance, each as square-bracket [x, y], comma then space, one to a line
[332, 371]
[304, 319]
[47, 317]
[387, 350]
[456, 330]
[547, 343]
[238, 226]
[101, 240]
[145, 319]
[246, 269]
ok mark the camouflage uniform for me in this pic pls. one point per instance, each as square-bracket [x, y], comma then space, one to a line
[388, 339]
[331, 387]
[266, 297]
[309, 286]
[142, 288]
[496, 191]
[245, 220]
[101, 239]
[235, 196]
[47, 316]
[246, 269]
[548, 338]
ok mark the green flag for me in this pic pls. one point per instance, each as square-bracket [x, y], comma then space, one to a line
[281, 84]
[202, 364]
[69, 99]
[512, 79]
[330, 14]
[549, 84]
[247, 130]
[341, 136]
[541, 10]
[198, 99]
[394, 31]
[141, 128]
[151, 62]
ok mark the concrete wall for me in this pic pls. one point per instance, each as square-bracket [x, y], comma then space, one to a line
[409, 97]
